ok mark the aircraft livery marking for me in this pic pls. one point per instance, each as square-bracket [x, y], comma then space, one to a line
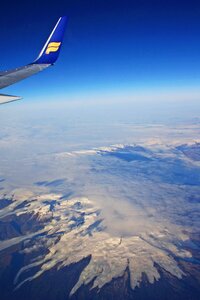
[52, 47]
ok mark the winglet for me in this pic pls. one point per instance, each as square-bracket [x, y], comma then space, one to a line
[51, 49]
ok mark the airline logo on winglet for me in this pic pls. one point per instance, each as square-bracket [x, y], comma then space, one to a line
[52, 47]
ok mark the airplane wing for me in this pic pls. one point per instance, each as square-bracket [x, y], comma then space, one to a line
[46, 58]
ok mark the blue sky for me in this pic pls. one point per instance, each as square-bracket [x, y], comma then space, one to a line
[110, 46]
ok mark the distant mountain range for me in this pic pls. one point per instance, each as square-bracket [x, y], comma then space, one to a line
[128, 228]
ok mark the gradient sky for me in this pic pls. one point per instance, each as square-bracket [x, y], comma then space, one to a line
[110, 46]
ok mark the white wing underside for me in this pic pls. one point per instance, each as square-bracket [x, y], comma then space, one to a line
[8, 98]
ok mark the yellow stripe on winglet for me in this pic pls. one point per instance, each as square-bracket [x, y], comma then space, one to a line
[52, 47]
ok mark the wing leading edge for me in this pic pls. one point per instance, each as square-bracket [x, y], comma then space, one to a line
[46, 58]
